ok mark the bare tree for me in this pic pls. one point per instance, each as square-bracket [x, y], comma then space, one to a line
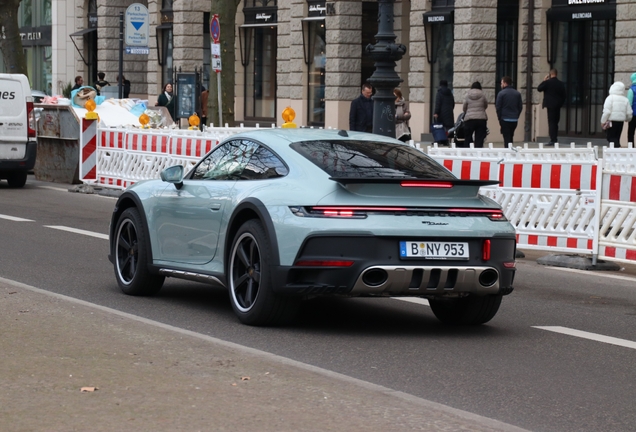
[11, 44]
[226, 9]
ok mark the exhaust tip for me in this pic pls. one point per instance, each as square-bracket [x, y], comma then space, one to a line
[375, 277]
[488, 277]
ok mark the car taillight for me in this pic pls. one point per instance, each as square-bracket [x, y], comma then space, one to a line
[31, 117]
[492, 214]
[485, 250]
[323, 263]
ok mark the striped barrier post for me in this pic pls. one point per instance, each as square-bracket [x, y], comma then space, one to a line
[88, 152]
[617, 238]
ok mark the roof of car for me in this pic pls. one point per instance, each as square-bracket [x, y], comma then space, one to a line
[309, 134]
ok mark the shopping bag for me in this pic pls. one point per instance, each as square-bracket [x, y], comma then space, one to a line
[439, 132]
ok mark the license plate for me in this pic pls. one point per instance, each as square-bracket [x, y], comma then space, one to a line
[433, 250]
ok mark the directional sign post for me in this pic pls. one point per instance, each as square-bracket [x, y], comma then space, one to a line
[215, 48]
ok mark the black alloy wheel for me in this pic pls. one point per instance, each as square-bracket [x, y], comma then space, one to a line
[131, 260]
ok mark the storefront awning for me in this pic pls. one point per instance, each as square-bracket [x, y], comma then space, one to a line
[439, 16]
[83, 32]
[582, 12]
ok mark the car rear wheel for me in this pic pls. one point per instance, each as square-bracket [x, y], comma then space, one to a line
[17, 179]
[469, 310]
[253, 299]
[131, 257]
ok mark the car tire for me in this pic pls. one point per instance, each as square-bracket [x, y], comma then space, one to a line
[17, 179]
[469, 310]
[131, 257]
[250, 282]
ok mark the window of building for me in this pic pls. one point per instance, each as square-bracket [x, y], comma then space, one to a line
[258, 56]
[370, 14]
[507, 41]
[316, 61]
[166, 60]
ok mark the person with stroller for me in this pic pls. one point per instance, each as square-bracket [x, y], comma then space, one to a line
[475, 117]
[444, 105]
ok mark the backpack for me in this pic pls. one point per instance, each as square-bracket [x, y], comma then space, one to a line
[633, 89]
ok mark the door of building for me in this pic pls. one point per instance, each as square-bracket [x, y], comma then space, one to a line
[584, 57]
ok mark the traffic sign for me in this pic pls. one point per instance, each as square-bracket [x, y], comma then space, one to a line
[137, 27]
[215, 28]
[216, 64]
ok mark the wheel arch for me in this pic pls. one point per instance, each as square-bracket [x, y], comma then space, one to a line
[251, 208]
[129, 200]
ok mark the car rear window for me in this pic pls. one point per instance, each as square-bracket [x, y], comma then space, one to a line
[369, 159]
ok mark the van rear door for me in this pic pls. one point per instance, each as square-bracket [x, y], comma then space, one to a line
[14, 122]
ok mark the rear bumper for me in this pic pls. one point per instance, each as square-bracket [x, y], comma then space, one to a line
[25, 164]
[378, 271]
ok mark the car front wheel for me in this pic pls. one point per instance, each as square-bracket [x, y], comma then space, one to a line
[131, 257]
[469, 310]
[251, 293]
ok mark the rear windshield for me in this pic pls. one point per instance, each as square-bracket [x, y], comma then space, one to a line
[368, 159]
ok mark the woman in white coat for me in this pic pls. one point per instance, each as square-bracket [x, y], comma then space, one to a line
[616, 110]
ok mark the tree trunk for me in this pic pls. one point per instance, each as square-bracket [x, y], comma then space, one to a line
[226, 9]
[11, 44]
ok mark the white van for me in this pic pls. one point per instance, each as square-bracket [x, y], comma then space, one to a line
[18, 144]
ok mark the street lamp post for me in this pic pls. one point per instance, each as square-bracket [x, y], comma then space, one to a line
[385, 52]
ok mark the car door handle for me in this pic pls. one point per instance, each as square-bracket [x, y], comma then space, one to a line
[215, 207]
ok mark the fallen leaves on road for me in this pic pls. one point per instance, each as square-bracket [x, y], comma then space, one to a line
[88, 389]
[245, 378]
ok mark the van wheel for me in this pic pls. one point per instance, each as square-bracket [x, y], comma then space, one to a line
[17, 179]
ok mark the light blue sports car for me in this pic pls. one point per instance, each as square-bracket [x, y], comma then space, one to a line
[280, 215]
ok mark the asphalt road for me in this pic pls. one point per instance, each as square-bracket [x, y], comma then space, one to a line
[544, 379]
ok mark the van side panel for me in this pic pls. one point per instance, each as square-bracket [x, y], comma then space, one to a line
[14, 122]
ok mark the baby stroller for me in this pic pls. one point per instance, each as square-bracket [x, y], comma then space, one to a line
[456, 133]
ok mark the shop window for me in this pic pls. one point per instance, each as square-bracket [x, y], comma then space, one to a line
[507, 41]
[370, 13]
[260, 75]
[315, 46]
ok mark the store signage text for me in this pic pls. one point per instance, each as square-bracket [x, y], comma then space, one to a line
[262, 16]
[31, 36]
[439, 18]
[576, 2]
[316, 8]
[582, 15]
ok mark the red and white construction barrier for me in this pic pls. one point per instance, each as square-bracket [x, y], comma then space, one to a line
[88, 151]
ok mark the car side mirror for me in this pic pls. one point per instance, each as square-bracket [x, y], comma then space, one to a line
[174, 175]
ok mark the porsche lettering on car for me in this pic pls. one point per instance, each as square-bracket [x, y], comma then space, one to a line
[277, 216]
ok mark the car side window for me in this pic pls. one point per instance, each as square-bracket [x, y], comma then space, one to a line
[226, 162]
[264, 165]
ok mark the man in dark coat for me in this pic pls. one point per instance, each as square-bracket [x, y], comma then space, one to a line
[444, 105]
[361, 112]
[553, 99]
[509, 106]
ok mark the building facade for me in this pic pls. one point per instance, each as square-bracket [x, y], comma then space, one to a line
[310, 54]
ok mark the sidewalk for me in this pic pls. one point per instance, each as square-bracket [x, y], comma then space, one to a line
[153, 377]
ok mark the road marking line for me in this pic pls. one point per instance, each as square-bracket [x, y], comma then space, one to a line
[417, 300]
[591, 336]
[78, 231]
[588, 273]
[53, 188]
[15, 219]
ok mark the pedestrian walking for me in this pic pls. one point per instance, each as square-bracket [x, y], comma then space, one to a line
[508, 106]
[402, 117]
[101, 82]
[616, 111]
[361, 111]
[204, 106]
[631, 96]
[475, 117]
[553, 99]
[79, 82]
[444, 106]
